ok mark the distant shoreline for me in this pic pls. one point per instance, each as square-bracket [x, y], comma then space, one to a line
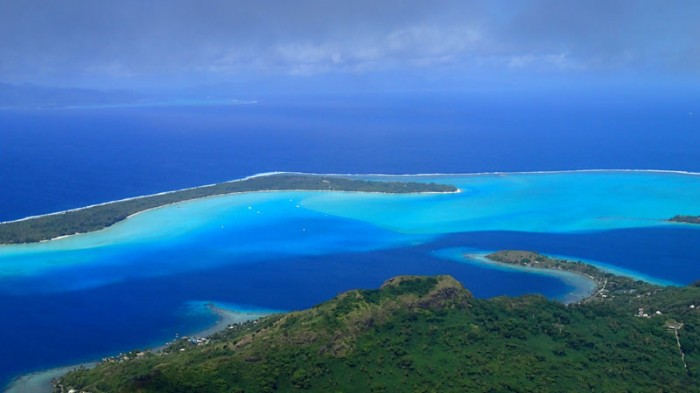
[553, 172]
[92, 218]
[50, 226]
[361, 175]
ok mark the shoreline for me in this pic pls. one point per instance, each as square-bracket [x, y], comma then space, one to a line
[263, 174]
[617, 271]
[226, 317]
[458, 191]
[348, 176]
[581, 292]
[92, 218]
[139, 197]
[41, 381]
[562, 171]
[607, 285]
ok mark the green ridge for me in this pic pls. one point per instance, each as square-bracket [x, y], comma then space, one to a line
[429, 334]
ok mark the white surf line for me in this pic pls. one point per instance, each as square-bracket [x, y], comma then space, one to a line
[141, 197]
[563, 171]
[263, 174]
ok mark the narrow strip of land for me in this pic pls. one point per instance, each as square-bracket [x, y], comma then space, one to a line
[608, 285]
[685, 219]
[97, 217]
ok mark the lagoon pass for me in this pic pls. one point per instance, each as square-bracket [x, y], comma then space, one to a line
[154, 275]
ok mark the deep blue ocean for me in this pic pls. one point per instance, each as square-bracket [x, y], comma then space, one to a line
[57, 159]
[53, 160]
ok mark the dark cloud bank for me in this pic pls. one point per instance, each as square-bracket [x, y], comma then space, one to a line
[179, 43]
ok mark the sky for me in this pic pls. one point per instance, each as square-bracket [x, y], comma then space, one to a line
[341, 44]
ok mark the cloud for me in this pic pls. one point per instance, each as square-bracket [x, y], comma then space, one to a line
[88, 41]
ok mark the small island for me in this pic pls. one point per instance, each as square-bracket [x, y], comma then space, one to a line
[96, 217]
[685, 219]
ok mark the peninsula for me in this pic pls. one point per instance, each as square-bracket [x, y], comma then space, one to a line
[608, 285]
[96, 217]
[430, 334]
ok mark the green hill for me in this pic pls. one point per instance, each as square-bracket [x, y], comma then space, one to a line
[429, 334]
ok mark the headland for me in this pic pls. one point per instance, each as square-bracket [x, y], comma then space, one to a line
[607, 285]
[431, 333]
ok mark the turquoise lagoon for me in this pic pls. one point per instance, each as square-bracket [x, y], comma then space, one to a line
[140, 281]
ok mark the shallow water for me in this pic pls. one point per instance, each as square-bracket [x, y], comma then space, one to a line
[527, 202]
[133, 285]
